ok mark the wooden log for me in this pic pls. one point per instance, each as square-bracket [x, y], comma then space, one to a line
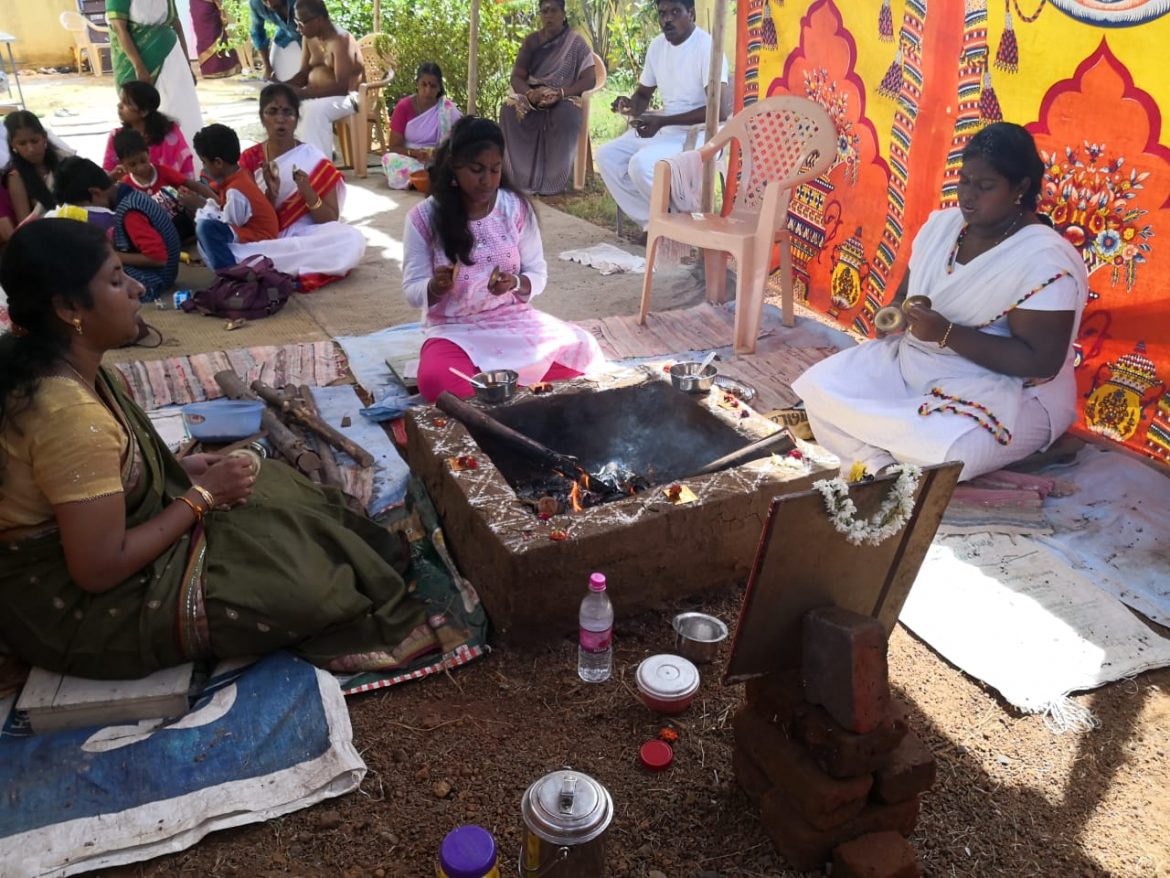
[330, 469]
[470, 416]
[779, 442]
[294, 450]
[298, 413]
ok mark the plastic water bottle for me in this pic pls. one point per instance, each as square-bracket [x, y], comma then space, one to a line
[595, 619]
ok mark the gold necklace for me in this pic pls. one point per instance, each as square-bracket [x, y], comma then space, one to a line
[1010, 229]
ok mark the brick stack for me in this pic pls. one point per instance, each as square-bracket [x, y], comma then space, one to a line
[828, 757]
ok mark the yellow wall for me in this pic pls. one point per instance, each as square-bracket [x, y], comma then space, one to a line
[40, 39]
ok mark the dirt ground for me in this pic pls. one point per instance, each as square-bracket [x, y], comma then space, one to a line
[1012, 798]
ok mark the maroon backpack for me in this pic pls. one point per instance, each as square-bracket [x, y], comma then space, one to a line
[252, 288]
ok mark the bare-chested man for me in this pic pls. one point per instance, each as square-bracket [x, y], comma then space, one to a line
[331, 71]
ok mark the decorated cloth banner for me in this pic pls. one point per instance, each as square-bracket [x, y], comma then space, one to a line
[908, 83]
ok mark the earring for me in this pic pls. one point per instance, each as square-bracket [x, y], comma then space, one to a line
[1019, 198]
[77, 326]
[454, 184]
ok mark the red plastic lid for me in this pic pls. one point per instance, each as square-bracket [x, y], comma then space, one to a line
[656, 755]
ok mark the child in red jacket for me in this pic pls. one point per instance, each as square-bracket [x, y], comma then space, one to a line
[243, 213]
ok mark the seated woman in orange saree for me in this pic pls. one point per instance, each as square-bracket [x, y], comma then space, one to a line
[116, 559]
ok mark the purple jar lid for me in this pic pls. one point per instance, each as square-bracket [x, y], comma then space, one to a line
[467, 852]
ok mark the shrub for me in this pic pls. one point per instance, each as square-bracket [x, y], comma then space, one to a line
[432, 30]
[437, 30]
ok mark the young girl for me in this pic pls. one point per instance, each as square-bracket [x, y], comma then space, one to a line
[138, 109]
[160, 182]
[34, 160]
[472, 260]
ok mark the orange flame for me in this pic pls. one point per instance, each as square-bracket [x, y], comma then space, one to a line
[575, 497]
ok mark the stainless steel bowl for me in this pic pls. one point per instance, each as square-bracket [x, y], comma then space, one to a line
[686, 377]
[501, 385]
[697, 636]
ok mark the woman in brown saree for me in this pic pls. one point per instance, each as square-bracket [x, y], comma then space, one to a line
[542, 117]
[116, 559]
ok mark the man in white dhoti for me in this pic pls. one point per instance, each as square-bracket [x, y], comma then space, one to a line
[331, 71]
[984, 375]
[678, 64]
[280, 55]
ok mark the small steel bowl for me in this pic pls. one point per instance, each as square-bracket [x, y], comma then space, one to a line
[500, 385]
[697, 636]
[686, 377]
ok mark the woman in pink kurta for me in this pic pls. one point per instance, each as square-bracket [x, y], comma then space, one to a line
[473, 259]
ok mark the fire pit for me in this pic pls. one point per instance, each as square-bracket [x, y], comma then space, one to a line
[676, 534]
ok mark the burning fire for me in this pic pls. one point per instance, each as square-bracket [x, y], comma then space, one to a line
[575, 497]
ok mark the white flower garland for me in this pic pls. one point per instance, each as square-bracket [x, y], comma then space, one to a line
[888, 520]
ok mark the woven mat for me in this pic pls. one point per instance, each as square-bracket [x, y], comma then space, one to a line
[182, 380]
[782, 353]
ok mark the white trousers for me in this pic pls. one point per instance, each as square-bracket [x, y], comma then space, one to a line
[977, 448]
[178, 98]
[286, 62]
[317, 118]
[627, 167]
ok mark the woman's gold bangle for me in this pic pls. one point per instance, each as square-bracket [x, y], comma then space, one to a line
[195, 509]
[942, 342]
[320, 201]
[208, 497]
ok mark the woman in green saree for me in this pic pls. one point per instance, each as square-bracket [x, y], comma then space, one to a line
[116, 559]
[147, 43]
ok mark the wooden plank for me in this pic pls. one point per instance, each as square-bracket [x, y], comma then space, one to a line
[803, 563]
[55, 701]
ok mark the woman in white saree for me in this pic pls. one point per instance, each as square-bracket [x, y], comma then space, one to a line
[308, 193]
[985, 374]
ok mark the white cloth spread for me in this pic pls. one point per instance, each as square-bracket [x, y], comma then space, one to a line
[606, 258]
[881, 392]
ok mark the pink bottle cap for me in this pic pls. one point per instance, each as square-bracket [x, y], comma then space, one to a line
[597, 581]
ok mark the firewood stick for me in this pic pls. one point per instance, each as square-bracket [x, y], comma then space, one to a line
[470, 416]
[296, 430]
[779, 442]
[329, 466]
[297, 412]
[294, 450]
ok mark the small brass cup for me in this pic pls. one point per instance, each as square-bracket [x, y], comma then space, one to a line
[889, 319]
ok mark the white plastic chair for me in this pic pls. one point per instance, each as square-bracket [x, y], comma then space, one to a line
[784, 142]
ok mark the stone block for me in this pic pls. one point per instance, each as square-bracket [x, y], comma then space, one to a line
[844, 666]
[776, 696]
[822, 801]
[750, 776]
[805, 847]
[911, 771]
[877, 855]
[842, 753]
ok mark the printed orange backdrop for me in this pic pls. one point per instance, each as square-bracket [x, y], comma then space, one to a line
[909, 82]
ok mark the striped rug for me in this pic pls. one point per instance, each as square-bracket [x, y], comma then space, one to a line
[782, 354]
[182, 380]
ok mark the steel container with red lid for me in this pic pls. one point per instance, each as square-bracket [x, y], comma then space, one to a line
[667, 683]
[565, 815]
